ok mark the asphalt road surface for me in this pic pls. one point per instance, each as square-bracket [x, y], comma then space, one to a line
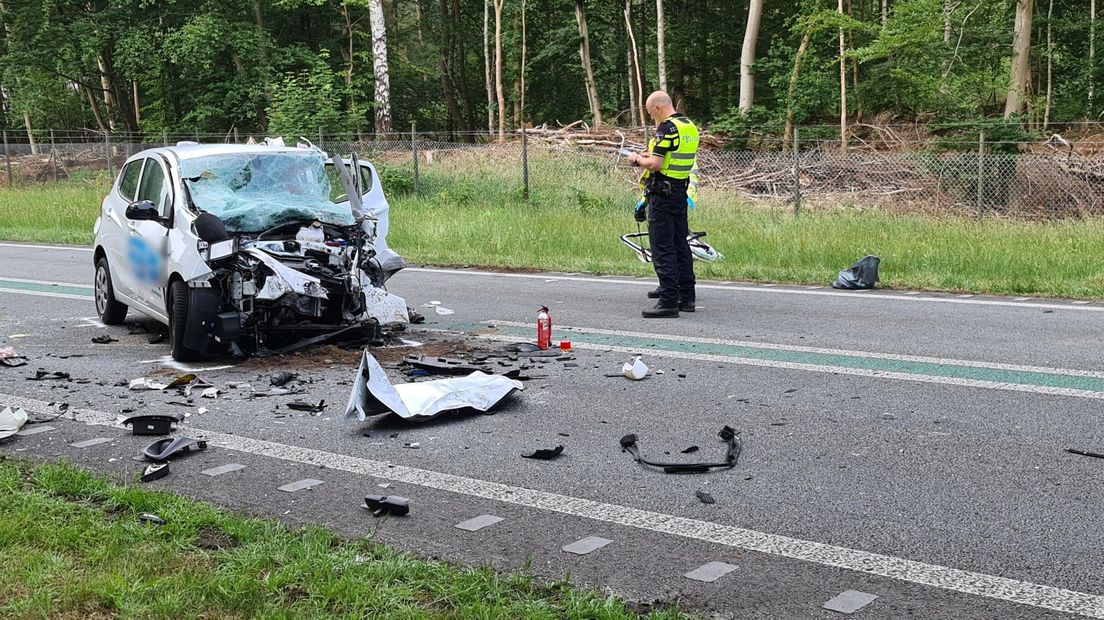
[910, 446]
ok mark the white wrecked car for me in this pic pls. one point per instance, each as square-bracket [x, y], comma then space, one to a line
[246, 248]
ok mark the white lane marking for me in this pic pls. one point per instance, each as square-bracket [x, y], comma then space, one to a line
[800, 349]
[16, 291]
[835, 370]
[47, 282]
[936, 576]
[45, 247]
[763, 289]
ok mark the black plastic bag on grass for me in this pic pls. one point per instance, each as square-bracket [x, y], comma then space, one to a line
[862, 275]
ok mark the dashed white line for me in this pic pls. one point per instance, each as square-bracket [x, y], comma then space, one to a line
[46, 247]
[933, 575]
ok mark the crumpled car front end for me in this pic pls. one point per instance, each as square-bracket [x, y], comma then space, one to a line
[289, 265]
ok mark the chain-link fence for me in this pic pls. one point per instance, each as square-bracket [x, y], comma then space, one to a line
[965, 176]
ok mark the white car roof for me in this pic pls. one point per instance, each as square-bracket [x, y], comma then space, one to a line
[193, 151]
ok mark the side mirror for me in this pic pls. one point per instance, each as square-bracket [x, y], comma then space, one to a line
[142, 210]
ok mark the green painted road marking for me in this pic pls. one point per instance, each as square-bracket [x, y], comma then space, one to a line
[997, 377]
[31, 287]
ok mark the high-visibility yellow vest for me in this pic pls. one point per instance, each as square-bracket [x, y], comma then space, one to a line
[679, 162]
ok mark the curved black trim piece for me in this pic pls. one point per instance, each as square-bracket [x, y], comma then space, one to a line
[387, 504]
[732, 455]
[155, 471]
[153, 424]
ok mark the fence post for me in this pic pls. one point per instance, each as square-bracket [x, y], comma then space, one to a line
[981, 172]
[414, 151]
[796, 172]
[236, 140]
[107, 147]
[165, 137]
[320, 142]
[524, 163]
[7, 162]
[54, 155]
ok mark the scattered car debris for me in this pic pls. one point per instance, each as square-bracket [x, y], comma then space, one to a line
[862, 275]
[153, 424]
[155, 471]
[42, 375]
[201, 410]
[1095, 455]
[11, 420]
[103, 339]
[143, 383]
[634, 369]
[387, 505]
[152, 519]
[521, 347]
[282, 378]
[157, 338]
[374, 394]
[162, 449]
[11, 359]
[704, 497]
[211, 392]
[732, 455]
[300, 405]
[442, 365]
[690, 450]
[413, 446]
[544, 454]
[443, 311]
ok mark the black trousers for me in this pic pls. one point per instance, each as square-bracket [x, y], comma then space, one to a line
[671, 258]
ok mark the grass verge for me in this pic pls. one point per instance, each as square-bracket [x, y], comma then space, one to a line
[71, 545]
[476, 216]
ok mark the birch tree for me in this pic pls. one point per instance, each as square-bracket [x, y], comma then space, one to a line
[843, 84]
[661, 46]
[487, 67]
[1050, 65]
[747, 55]
[634, 66]
[379, 66]
[498, 71]
[588, 70]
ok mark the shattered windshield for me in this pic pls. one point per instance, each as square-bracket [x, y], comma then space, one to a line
[253, 192]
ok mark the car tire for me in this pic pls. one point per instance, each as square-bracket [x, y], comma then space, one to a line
[110, 310]
[178, 322]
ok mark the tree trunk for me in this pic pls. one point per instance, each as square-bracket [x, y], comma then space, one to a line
[747, 55]
[843, 84]
[30, 133]
[498, 71]
[1050, 67]
[522, 77]
[588, 70]
[661, 46]
[379, 66]
[95, 108]
[885, 12]
[787, 134]
[108, 89]
[634, 65]
[1092, 55]
[487, 66]
[460, 81]
[1021, 55]
[138, 104]
[349, 54]
[948, 8]
[444, 68]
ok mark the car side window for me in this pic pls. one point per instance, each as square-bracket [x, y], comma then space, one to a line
[154, 188]
[128, 179]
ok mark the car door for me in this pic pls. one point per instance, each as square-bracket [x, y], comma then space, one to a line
[375, 202]
[147, 244]
[114, 235]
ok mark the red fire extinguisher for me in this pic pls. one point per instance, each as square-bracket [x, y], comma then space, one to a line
[544, 329]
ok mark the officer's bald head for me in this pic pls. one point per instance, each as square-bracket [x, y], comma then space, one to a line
[659, 105]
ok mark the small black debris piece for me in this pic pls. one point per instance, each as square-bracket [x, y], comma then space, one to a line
[152, 519]
[387, 505]
[282, 378]
[14, 361]
[704, 497]
[103, 339]
[155, 471]
[157, 338]
[521, 347]
[544, 454]
[42, 375]
[442, 365]
[1095, 455]
[416, 318]
[153, 424]
[308, 407]
[690, 450]
[137, 328]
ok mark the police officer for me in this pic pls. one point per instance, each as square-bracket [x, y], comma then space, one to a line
[667, 177]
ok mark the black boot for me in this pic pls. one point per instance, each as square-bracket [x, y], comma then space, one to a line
[660, 312]
[687, 306]
[654, 293]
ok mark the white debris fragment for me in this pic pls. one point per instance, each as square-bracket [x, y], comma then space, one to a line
[143, 383]
[11, 421]
[211, 392]
[634, 369]
[201, 410]
[385, 307]
[443, 311]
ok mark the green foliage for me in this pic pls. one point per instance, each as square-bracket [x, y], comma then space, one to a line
[306, 101]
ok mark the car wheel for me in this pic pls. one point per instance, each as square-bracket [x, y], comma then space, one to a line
[178, 322]
[111, 311]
